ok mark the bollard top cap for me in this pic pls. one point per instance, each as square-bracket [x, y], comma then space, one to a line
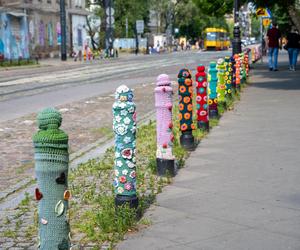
[123, 94]
[49, 118]
[200, 68]
[184, 73]
[163, 80]
[220, 60]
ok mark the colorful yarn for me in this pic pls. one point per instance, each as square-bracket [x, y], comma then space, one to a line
[201, 99]
[124, 126]
[233, 79]
[221, 86]
[51, 168]
[228, 75]
[164, 125]
[185, 92]
[237, 70]
[212, 89]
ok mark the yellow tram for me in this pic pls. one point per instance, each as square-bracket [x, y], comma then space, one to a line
[216, 39]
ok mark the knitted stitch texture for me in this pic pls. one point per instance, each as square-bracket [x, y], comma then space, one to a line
[237, 70]
[221, 87]
[228, 75]
[124, 125]
[212, 87]
[201, 99]
[185, 92]
[164, 125]
[51, 168]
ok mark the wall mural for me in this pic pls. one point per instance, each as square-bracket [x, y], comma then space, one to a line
[50, 34]
[42, 33]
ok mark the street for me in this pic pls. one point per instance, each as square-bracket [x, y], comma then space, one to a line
[24, 92]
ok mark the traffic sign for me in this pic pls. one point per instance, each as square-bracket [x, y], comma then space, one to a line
[139, 26]
[263, 12]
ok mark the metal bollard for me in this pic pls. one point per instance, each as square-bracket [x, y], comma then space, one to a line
[124, 126]
[163, 103]
[221, 87]
[51, 168]
[212, 91]
[185, 92]
[201, 99]
[228, 76]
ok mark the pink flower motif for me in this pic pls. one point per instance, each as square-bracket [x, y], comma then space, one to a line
[203, 113]
[128, 186]
[127, 153]
[132, 174]
[122, 179]
[205, 98]
[204, 84]
[198, 98]
[134, 116]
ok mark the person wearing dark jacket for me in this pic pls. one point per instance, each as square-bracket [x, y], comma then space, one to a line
[273, 45]
[293, 47]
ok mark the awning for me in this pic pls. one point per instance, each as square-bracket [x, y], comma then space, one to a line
[16, 14]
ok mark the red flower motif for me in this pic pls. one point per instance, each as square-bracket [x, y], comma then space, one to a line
[127, 153]
[122, 179]
[165, 145]
[170, 125]
[172, 138]
[128, 186]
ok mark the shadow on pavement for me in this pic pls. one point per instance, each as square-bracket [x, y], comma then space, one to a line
[281, 80]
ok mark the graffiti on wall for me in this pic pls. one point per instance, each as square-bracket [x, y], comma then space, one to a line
[42, 34]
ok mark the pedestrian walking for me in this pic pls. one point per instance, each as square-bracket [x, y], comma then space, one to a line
[274, 44]
[293, 47]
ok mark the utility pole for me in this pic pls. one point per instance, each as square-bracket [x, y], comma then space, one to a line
[63, 46]
[236, 43]
[110, 20]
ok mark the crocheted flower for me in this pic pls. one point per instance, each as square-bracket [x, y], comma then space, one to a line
[117, 172]
[181, 106]
[125, 172]
[193, 126]
[120, 190]
[130, 164]
[216, 100]
[183, 127]
[116, 182]
[202, 113]
[182, 89]
[170, 125]
[201, 90]
[210, 101]
[132, 174]
[200, 79]
[124, 112]
[180, 116]
[119, 164]
[127, 139]
[198, 98]
[127, 121]
[127, 153]
[186, 99]
[190, 107]
[118, 118]
[187, 116]
[204, 84]
[128, 186]
[205, 98]
[131, 109]
[188, 82]
[190, 90]
[121, 129]
[122, 179]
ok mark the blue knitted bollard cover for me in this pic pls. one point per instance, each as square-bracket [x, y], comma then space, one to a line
[51, 168]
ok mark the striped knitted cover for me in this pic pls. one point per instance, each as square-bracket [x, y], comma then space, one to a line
[185, 92]
[237, 70]
[51, 168]
[164, 125]
[228, 75]
[124, 125]
[212, 86]
[221, 87]
[233, 82]
[201, 99]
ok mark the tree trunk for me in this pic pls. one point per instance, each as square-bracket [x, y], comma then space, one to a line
[294, 14]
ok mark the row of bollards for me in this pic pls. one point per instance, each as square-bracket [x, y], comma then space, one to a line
[51, 143]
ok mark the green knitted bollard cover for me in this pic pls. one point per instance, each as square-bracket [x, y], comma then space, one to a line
[221, 87]
[228, 75]
[51, 168]
[124, 125]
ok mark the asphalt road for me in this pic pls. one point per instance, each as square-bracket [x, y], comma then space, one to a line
[25, 91]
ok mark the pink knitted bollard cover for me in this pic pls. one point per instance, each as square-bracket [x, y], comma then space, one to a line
[163, 104]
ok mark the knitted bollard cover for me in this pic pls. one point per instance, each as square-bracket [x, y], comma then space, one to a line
[51, 168]
[228, 75]
[246, 62]
[212, 90]
[201, 99]
[164, 125]
[237, 71]
[124, 126]
[185, 92]
[242, 68]
[221, 86]
[233, 81]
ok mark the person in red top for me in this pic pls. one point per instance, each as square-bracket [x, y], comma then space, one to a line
[274, 44]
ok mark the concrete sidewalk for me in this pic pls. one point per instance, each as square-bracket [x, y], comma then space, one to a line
[240, 189]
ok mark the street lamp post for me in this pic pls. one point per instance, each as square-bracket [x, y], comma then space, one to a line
[63, 45]
[236, 43]
[109, 35]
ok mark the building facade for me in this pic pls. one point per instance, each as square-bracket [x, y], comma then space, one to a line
[32, 27]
